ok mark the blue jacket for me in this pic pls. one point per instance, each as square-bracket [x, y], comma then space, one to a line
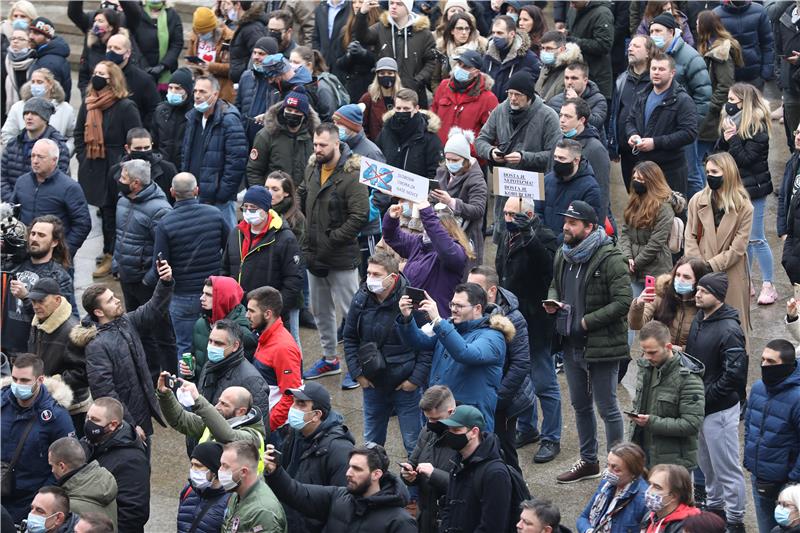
[52, 422]
[191, 238]
[772, 431]
[518, 58]
[582, 186]
[59, 195]
[54, 56]
[691, 72]
[136, 234]
[222, 156]
[627, 520]
[253, 97]
[749, 24]
[17, 157]
[467, 357]
[194, 502]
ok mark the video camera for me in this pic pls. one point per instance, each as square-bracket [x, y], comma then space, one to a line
[13, 237]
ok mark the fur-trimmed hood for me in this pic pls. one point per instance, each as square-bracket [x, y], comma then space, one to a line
[255, 12]
[58, 93]
[92, 39]
[434, 122]
[503, 325]
[82, 334]
[416, 22]
[274, 127]
[571, 54]
[519, 48]
[54, 321]
[720, 51]
[59, 391]
[662, 282]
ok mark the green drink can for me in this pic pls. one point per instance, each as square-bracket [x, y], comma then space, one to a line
[188, 360]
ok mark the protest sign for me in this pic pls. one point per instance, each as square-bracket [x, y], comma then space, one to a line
[393, 181]
[521, 183]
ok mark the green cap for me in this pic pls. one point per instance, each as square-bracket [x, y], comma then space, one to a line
[465, 416]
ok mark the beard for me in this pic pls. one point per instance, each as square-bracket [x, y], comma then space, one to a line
[359, 489]
[39, 252]
[572, 240]
[324, 159]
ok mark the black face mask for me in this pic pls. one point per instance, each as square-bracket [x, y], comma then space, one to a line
[114, 57]
[638, 187]
[99, 83]
[401, 118]
[714, 182]
[453, 441]
[293, 121]
[124, 188]
[277, 35]
[144, 155]
[774, 374]
[731, 109]
[436, 427]
[562, 170]
[387, 82]
[94, 432]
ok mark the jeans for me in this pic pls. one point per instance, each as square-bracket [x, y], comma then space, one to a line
[718, 456]
[765, 509]
[294, 326]
[184, 310]
[758, 246]
[330, 295]
[637, 287]
[545, 383]
[695, 165]
[380, 404]
[228, 210]
[596, 382]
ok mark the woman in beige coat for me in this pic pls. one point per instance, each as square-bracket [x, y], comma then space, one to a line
[718, 229]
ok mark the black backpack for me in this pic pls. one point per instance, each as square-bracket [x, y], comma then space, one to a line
[519, 493]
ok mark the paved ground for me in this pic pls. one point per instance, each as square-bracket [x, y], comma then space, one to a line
[170, 464]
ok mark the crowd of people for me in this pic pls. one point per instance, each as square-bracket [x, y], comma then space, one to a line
[224, 167]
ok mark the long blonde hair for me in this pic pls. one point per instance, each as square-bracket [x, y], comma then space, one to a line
[642, 209]
[374, 89]
[452, 226]
[755, 112]
[731, 196]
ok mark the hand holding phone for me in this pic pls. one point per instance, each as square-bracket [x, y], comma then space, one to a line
[632, 414]
[416, 295]
[551, 306]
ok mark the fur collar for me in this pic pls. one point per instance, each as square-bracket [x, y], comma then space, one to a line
[81, 335]
[255, 12]
[274, 127]
[721, 51]
[54, 321]
[420, 23]
[434, 122]
[60, 391]
[571, 54]
[353, 163]
[503, 325]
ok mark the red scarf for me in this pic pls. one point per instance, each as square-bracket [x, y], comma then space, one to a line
[250, 241]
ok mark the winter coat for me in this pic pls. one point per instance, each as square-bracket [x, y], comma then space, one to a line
[595, 153]
[369, 320]
[63, 120]
[607, 297]
[331, 47]
[467, 357]
[254, 96]
[280, 363]
[683, 26]
[641, 314]
[551, 78]
[373, 115]
[788, 220]
[191, 238]
[723, 247]
[626, 90]
[123, 454]
[592, 29]
[692, 74]
[54, 56]
[750, 25]
[561, 193]
[515, 393]
[51, 421]
[466, 110]
[234, 371]
[597, 104]
[535, 136]
[193, 505]
[50, 340]
[322, 458]
[787, 39]
[360, 145]
[221, 66]
[672, 523]
[415, 147]
[93, 174]
[356, 74]
[276, 148]
[517, 58]
[432, 488]
[161, 173]
[479, 492]
[222, 155]
[648, 246]
[630, 508]
[250, 27]
[720, 65]
[436, 267]
[137, 219]
[59, 195]
[751, 159]
[772, 431]
[144, 29]
[143, 91]
[91, 489]
[169, 128]
[342, 511]
[719, 344]
[335, 213]
[470, 194]
[115, 360]
[673, 396]
[413, 47]
[16, 159]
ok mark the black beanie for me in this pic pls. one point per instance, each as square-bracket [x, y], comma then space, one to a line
[183, 77]
[268, 44]
[666, 20]
[522, 82]
[209, 453]
[716, 283]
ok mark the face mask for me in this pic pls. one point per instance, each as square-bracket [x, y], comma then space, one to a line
[658, 41]
[144, 155]
[781, 514]
[731, 109]
[94, 432]
[460, 74]
[258, 67]
[639, 187]
[253, 218]
[548, 58]
[436, 427]
[296, 419]
[570, 133]
[401, 118]
[714, 182]
[681, 287]
[343, 135]
[653, 501]
[226, 480]
[277, 35]
[98, 31]
[115, 57]
[375, 285]
[36, 523]
[20, 24]
[387, 82]
[38, 90]
[123, 188]
[233, 14]
[22, 392]
[207, 36]
[562, 170]
[611, 478]
[215, 354]
[174, 98]
[512, 227]
[99, 83]
[501, 43]
[407, 211]
[454, 167]
[453, 441]
[202, 106]
[293, 121]
[198, 479]
[775, 374]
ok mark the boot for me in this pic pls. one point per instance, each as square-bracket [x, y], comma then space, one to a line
[104, 268]
[700, 496]
[734, 527]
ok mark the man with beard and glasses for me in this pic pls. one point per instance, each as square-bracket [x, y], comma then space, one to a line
[373, 500]
[47, 258]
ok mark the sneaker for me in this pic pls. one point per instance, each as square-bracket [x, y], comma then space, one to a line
[307, 319]
[104, 268]
[526, 437]
[735, 527]
[349, 383]
[580, 471]
[547, 452]
[768, 294]
[559, 366]
[323, 368]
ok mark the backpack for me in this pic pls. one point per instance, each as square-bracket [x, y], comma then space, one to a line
[519, 493]
[340, 94]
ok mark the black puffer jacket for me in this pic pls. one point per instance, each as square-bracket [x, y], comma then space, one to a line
[343, 512]
[751, 158]
[319, 459]
[252, 25]
[234, 371]
[144, 29]
[143, 91]
[415, 147]
[123, 454]
[432, 488]
[169, 126]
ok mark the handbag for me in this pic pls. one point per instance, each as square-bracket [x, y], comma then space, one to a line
[7, 478]
[370, 357]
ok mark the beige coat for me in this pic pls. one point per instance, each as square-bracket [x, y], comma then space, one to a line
[724, 248]
[221, 65]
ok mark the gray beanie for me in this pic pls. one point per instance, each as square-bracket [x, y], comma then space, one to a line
[39, 106]
[386, 63]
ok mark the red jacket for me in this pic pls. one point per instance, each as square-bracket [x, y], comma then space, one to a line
[468, 111]
[681, 513]
[373, 115]
[280, 361]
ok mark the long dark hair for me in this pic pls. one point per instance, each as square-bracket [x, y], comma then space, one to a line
[671, 300]
[61, 251]
[539, 26]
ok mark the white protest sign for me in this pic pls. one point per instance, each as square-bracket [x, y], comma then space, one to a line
[393, 181]
[518, 183]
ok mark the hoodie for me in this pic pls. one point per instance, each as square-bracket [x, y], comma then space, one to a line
[673, 522]
[54, 56]
[91, 489]
[280, 362]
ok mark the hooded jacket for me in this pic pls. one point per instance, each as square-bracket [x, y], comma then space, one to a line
[254, 96]
[629, 508]
[470, 194]
[720, 65]
[250, 27]
[194, 501]
[672, 523]
[169, 129]
[433, 487]
[276, 148]
[561, 193]
[54, 56]
[592, 29]
[672, 395]
[518, 58]
[280, 362]
[750, 25]
[91, 489]
[648, 246]
[16, 159]
[719, 344]
[467, 357]
[551, 78]
[415, 147]
[467, 110]
[343, 512]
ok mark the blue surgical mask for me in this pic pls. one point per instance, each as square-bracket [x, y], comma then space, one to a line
[207, 36]
[38, 89]
[570, 133]
[454, 167]
[215, 353]
[548, 58]
[36, 523]
[20, 24]
[202, 106]
[460, 74]
[782, 515]
[682, 287]
[407, 211]
[659, 41]
[343, 135]
[174, 98]
[258, 67]
[514, 16]
[296, 419]
[22, 392]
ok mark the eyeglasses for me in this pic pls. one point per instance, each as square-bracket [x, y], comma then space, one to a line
[458, 307]
[462, 28]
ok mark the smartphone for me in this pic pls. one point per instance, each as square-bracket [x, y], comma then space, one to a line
[194, 59]
[500, 153]
[172, 382]
[552, 302]
[433, 185]
[796, 291]
[403, 466]
[649, 282]
[160, 259]
[416, 295]
[631, 413]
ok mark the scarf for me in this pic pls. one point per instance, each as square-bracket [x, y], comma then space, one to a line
[20, 61]
[96, 103]
[586, 248]
[163, 43]
[601, 514]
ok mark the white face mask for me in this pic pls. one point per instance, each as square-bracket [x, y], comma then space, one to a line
[198, 478]
[253, 218]
[226, 480]
[375, 285]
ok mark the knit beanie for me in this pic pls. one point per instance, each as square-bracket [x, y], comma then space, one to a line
[183, 77]
[268, 44]
[210, 454]
[351, 116]
[297, 99]
[456, 3]
[716, 283]
[258, 195]
[204, 20]
[666, 20]
[386, 63]
[39, 106]
[522, 82]
[44, 26]
[457, 144]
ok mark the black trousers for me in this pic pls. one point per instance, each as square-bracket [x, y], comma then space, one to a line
[506, 430]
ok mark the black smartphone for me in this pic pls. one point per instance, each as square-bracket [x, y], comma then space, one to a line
[403, 466]
[172, 382]
[194, 59]
[631, 413]
[499, 152]
[433, 185]
[416, 295]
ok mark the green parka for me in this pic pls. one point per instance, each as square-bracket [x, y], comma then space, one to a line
[92, 489]
[649, 247]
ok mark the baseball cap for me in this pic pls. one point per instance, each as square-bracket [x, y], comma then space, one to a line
[313, 392]
[580, 210]
[470, 58]
[44, 287]
[465, 416]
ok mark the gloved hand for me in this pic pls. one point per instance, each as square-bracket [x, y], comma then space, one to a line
[355, 49]
[524, 223]
[156, 70]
